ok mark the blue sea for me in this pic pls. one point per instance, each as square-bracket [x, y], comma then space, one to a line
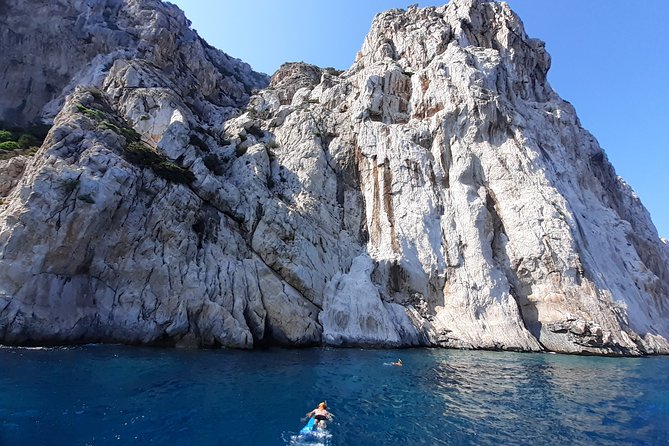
[115, 395]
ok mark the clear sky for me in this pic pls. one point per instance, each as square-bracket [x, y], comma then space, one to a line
[610, 60]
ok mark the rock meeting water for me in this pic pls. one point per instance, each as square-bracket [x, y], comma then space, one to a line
[112, 395]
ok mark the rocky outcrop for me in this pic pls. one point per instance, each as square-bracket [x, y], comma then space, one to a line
[49, 48]
[293, 76]
[438, 193]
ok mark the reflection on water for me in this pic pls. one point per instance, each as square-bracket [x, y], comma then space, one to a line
[498, 398]
[115, 395]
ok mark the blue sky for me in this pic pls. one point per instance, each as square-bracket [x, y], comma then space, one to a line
[610, 60]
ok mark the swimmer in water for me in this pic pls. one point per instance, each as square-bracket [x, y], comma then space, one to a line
[321, 415]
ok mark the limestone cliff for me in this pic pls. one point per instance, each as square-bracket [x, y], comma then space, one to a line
[49, 48]
[438, 192]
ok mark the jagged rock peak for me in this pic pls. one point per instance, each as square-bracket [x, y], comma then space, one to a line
[414, 37]
[292, 76]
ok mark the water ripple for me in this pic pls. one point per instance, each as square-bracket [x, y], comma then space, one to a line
[116, 395]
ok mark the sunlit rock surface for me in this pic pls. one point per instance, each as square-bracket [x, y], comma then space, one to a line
[438, 192]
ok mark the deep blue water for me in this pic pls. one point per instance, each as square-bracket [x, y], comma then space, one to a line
[112, 395]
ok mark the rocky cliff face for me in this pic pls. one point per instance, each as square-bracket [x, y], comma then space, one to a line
[436, 193]
[50, 48]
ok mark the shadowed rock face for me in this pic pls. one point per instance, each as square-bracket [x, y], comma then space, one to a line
[49, 48]
[436, 193]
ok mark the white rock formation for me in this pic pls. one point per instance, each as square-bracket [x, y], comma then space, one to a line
[436, 193]
[354, 312]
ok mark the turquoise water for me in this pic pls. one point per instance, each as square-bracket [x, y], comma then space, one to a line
[112, 395]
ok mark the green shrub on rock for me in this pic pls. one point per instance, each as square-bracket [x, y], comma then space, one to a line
[26, 141]
[173, 172]
[92, 113]
[9, 146]
[128, 133]
[21, 141]
[143, 156]
[5, 135]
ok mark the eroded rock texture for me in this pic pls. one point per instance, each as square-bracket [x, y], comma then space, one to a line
[436, 193]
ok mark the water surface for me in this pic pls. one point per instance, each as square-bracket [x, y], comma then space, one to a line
[104, 395]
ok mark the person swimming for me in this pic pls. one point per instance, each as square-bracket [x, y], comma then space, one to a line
[398, 363]
[321, 415]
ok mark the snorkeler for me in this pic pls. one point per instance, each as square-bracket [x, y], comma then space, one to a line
[321, 415]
